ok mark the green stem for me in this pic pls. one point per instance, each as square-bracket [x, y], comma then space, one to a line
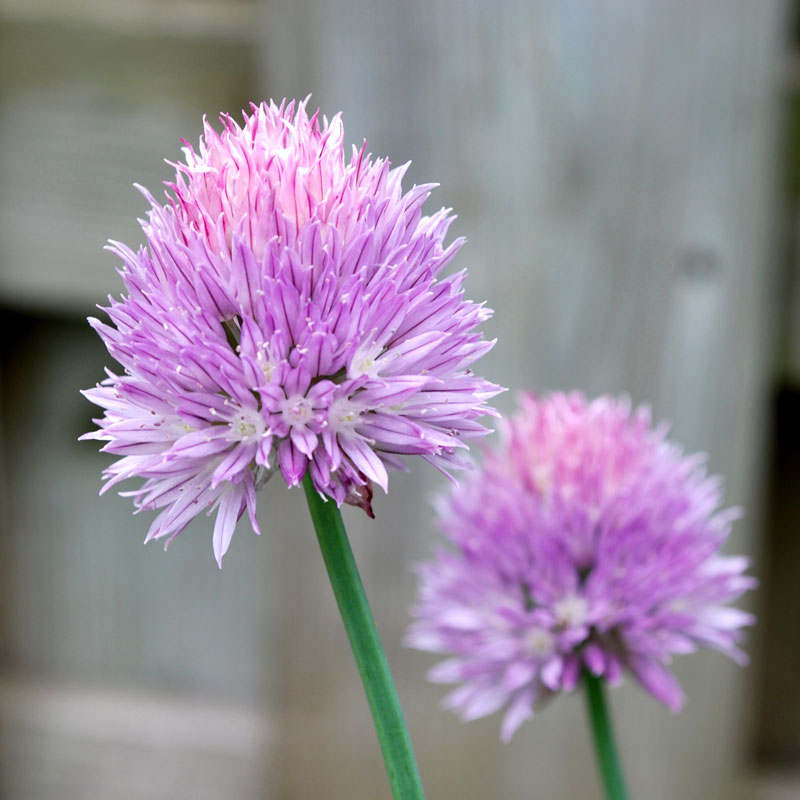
[604, 745]
[384, 703]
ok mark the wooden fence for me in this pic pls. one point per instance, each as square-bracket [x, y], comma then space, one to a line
[614, 167]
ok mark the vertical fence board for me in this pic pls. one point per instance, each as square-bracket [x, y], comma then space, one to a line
[613, 168]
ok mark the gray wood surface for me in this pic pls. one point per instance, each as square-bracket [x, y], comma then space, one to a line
[63, 741]
[94, 96]
[613, 166]
[125, 671]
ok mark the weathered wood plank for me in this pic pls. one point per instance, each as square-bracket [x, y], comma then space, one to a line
[88, 107]
[93, 97]
[614, 168]
[77, 743]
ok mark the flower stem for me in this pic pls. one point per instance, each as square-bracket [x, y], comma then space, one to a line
[604, 745]
[390, 725]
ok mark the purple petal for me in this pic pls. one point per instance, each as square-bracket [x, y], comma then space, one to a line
[230, 508]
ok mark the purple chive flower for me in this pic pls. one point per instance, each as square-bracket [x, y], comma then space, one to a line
[587, 541]
[287, 313]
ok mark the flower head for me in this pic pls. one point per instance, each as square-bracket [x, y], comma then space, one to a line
[286, 314]
[587, 541]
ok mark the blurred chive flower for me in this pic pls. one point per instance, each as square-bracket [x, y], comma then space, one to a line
[286, 314]
[586, 542]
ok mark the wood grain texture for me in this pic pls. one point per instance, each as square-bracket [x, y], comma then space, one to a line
[86, 111]
[613, 168]
[92, 99]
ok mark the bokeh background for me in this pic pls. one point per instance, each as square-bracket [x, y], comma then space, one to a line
[627, 175]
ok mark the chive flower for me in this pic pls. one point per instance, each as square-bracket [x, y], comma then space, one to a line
[587, 542]
[287, 314]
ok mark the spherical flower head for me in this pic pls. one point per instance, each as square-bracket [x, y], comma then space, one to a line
[586, 542]
[286, 315]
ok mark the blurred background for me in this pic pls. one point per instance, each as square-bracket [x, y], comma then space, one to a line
[628, 178]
